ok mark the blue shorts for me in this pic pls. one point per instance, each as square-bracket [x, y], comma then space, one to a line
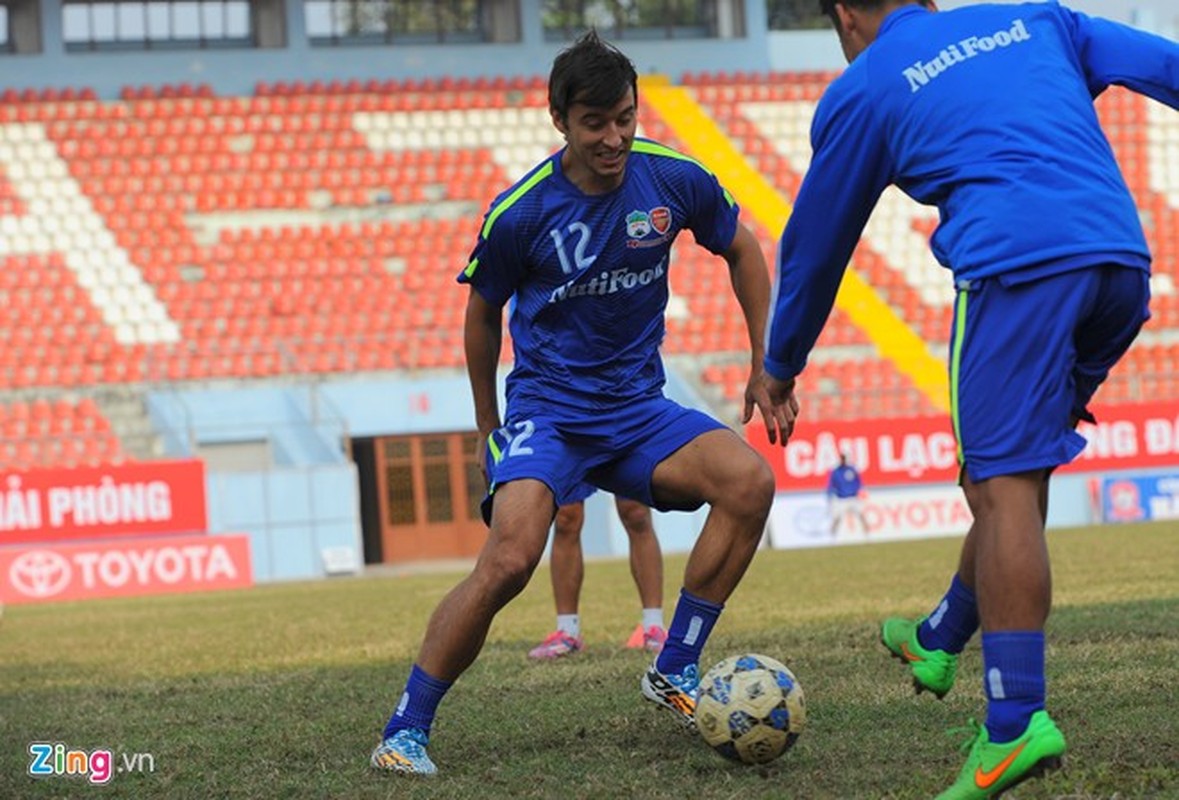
[617, 451]
[1026, 358]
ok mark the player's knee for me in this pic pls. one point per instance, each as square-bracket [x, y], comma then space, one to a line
[751, 487]
[569, 520]
[508, 571]
[636, 518]
[988, 497]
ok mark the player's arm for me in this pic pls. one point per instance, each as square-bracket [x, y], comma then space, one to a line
[483, 341]
[750, 278]
[849, 170]
[1113, 53]
[493, 272]
[749, 275]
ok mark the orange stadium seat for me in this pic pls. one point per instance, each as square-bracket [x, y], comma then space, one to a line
[262, 285]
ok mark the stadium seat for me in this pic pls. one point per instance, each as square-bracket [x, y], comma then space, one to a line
[165, 166]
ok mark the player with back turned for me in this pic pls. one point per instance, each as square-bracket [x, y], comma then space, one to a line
[986, 112]
[582, 242]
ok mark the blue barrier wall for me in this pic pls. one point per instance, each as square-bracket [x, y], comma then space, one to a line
[305, 503]
[309, 498]
[289, 418]
[292, 516]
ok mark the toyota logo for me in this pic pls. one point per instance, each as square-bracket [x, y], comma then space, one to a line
[39, 573]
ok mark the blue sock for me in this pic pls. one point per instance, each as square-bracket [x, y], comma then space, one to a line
[690, 627]
[418, 703]
[1013, 678]
[953, 622]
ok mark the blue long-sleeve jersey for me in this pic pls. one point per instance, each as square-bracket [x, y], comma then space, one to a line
[985, 112]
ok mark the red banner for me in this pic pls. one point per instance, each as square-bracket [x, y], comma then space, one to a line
[118, 569]
[42, 505]
[910, 450]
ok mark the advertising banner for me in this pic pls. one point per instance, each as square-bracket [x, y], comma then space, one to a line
[123, 568]
[46, 505]
[1138, 498]
[909, 450]
[885, 451]
[804, 520]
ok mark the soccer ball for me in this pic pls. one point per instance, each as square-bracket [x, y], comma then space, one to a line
[751, 708]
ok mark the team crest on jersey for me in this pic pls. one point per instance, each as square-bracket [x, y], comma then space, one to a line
[638, 224]
[660, 219]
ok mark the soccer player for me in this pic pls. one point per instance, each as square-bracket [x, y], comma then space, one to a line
[582, 241]
[568, 570]
[843, 494]
[986, 112]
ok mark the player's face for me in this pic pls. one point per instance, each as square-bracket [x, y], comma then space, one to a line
[599, 142]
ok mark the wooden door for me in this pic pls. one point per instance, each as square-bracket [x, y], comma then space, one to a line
[430, 489]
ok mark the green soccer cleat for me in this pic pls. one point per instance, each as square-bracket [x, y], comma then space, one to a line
[992, 769]
[933, 670]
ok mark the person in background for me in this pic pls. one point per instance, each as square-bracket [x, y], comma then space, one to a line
[844, 490]
[567, 566]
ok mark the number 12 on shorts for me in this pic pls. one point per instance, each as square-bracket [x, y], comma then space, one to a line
[514, 435]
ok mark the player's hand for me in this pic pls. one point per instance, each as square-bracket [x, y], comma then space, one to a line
[776, 401]
[481, 457]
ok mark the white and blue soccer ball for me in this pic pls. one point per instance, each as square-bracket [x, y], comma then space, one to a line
[750, 708]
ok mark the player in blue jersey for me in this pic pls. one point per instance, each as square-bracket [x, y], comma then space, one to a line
[582, 244]
[986, 113]
[844, 487]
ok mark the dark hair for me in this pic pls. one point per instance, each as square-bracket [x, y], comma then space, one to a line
[827, 7]
[592, 72]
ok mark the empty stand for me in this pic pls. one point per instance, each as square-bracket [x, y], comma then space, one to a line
[312, 228]
[768, 117]
[62, 432]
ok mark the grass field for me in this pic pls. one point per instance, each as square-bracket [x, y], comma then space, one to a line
[280, 691]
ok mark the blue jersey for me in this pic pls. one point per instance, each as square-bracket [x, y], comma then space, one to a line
[985, 112]
[588, 274]
[844, 482]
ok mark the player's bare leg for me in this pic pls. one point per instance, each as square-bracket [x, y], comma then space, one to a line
[720, 469]
[565, 557]
[646, 568]
[646, 558]
[567, 569]
[458, 627]
[1013, 585]
[1011, 572]
[737, 484]
[966, 560]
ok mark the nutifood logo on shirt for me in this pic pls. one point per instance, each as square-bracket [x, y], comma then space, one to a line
[922, 72]
[640, 224]
[609, 281]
